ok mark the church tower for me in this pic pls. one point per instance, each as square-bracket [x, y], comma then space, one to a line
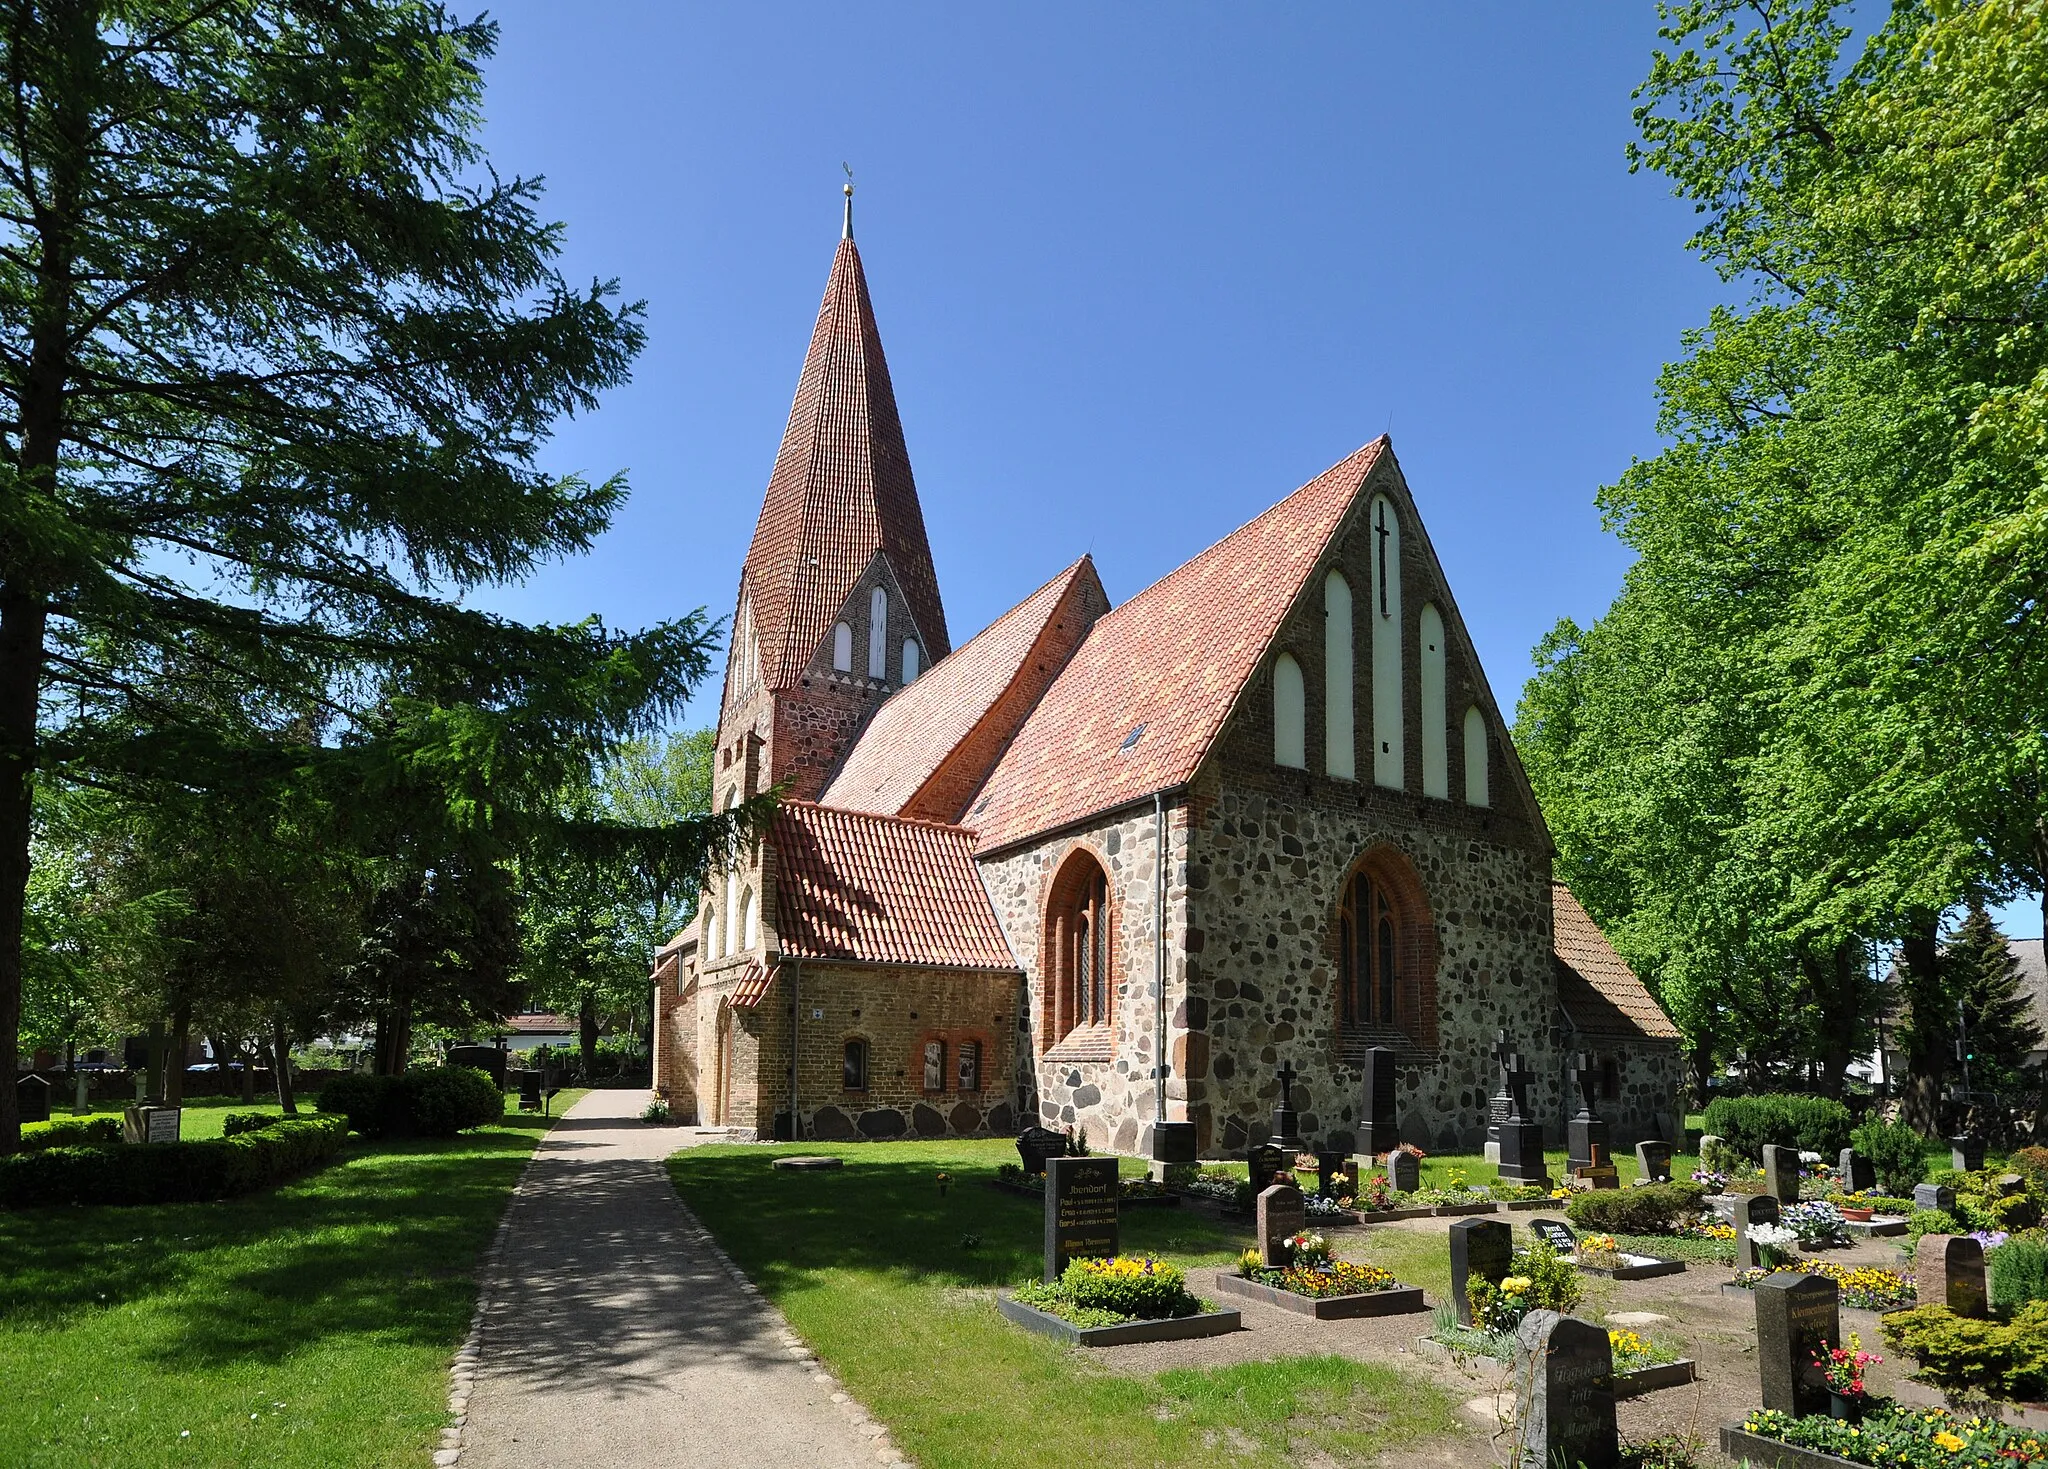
[838, 602]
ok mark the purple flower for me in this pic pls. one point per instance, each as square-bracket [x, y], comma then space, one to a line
[1990, 1239]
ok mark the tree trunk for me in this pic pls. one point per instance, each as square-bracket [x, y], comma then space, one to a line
[1927, 1057]
[281, 1068]
[22, 619]
[174, 1056]
[1833, 981]
[249, 1061]
[586, 1025]
[394, 1036]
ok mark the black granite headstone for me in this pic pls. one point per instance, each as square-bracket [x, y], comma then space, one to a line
[1948, 1270]
[1080, 1211]
[1404, 1171]
[1857, 1173]
[1174, 1142]
[1795, 1314]
[1966, 1153]
[1653, 1161]
[1751, 1209]
[32, 1096]
[1379, 1127]
[1286, 1121]
[1037, 1144]
[1564, 1394]
[1264, 1160]
[1933, 1196]
[1781, 1173]
[1555, 1233]
[1479, 1247]
[1336, 1176]
[1586, 1143]
[1281, 1216]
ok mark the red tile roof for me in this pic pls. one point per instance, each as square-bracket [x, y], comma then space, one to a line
[1600, 992]
[912, 734]
[841, 490]
[853, 885]
[752, 986]
[1172, 660]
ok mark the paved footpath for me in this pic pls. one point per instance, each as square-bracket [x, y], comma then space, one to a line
[614, 1336]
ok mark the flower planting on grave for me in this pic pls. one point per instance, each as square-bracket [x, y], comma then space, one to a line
[1601, 1252]
[1961, 1354]
[1918, 1438]
[1538, 1278]
[1776, 1245]
[1114, 1291]
[1658, 1208]
[1817, 1224]
[1864, 1287]
[1633, 1352]
[1844, 1366]
[1314, 1271]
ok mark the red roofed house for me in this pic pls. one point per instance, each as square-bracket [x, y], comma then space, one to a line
[1267, 809]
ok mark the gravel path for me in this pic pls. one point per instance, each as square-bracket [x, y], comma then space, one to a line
[613, 1333]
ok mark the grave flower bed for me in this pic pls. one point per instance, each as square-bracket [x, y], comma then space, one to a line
[1864, 1287]
[1816, 1223]
[1632, 1352]
[1918, 1438]
[1316, 1283]
[1538, 1278]
[1115, 1291]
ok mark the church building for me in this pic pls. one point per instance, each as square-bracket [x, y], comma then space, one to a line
[1264, 812]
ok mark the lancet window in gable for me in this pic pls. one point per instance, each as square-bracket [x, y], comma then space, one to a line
[1389, 743]
[878, 634]
[1340, 756]
[1436, 734]
[1290, 714]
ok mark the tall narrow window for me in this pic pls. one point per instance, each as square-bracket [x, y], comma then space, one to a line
[1081, 940]
[1436, 731]
[732, 910]
[1290, 715]
[1389, 744]
[1476, 792]
[842, 647]
[854, 1066]
[710, 930]
[750, 934]
[1340, 743]
[1368, 941]
[934, 1066]
[970, 1066]
[878, 634]
[910, 660]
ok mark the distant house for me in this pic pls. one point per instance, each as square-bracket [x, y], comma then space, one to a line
[530, 1032]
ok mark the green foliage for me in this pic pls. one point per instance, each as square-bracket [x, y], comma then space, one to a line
[1785, 1119]
[1959, 1354]
[162, 1173]
[1109, 1292]
[1932, 1221]
[1653, 1209]
[437, 1101]
[1897, 1154]
[1980, 975]
[1898, 1434]
[2019, 1273]
[236, 1123]
[1538, 1279]
[73, 1132]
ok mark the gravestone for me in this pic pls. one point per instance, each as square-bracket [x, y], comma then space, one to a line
[2009, 1184]
[1336, 1176]
[32, 1096]
[1795, 1314]
[1264, 1160]
[1933, 1196]
[1949, 1271]
[1500, 1105]
[1966, 1153]
[1555, 1233]
[1080, 1211]
[1281, 1216]
[1479, 1247]
[1586, 1134]
[1286, 1124]
[1564, 1394]
[1857, 1173]
[1404, 1171]
[152, 1123]
[1521, 1138]
[1751, 1209]
[1379, 1127]
[1781, 1173]
[1036, 1144]
[1174, 1142]
[79, 1101]
[1653, 1160]
[490, 1060]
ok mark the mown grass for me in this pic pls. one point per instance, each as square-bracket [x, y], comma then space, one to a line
[893, 1283]
[308, 1326]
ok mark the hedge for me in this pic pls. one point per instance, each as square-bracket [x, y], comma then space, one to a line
[1655, 1208]
[103, 1131]
[1788, 1119]
[436, 1101]
[170, 1173]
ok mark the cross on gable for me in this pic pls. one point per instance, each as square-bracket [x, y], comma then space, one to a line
[1383, 560]
[1287, 1075]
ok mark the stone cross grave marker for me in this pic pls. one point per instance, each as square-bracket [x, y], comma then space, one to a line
[1653, 1159]
[1281, 1216]
[1586, 1134]
[1557, 1234]
[32, 1096]
[1966, 1153]
[1286, 1122]
[1794, 1315]
[1404, 1171]
[1379, 1128]
[1080, 1211]
[1264, 1160]
[1751, 1210]
[1036, 1144]
[1521, 1140]
[1949, 1271]
[1479, 1247]
[1499, 1106]
[1781, 1173]
[1564, 1394]
[1856, 1171]
[1933, 1196]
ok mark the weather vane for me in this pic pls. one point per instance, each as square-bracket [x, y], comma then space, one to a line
[847, 232]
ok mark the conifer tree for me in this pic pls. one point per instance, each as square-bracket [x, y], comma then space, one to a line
[1983, 1006]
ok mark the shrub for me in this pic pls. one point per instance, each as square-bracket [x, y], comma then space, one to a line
[1538, 1279]
[1718, 1155]
[434, 1101]
[1126, 1288]
[1653, 1209]
[2019, 1273]
[1930, 1221]
[2032, 1164]
[1897, 1154]
[104, 1131]
[237, 1123]
[1961, 1355]
[657, 1113]
[169, 1173]
[1788, 1119]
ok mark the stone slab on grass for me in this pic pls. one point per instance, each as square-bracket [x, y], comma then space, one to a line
[1398, 1300]
[1391, 1216]
[1523, 1206]
[1209, 1323]
[808, 1165]
[1652, 1379]
[1446, 1211]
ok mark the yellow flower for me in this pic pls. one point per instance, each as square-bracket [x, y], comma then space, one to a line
[1516, 1285]
[1949, 1441]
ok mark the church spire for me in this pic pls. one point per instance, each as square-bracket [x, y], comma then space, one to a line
[846, 233]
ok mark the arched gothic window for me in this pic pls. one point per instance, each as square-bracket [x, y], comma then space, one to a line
[1368, 944]
[1340, 744]
[878, 634]
[710, 930]
[1082, 943]
[732, 910]
[1389, 753]
[1290, 714]
[750, 923]
[1386, 954]
[910, 660]
[1476, 788]
[842, 647]
[1436, 735]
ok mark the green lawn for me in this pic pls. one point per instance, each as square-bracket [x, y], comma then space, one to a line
[894, 1284]
[309, 1326]
[202, 1116]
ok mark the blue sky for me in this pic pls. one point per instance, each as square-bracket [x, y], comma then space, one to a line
[1140, 270]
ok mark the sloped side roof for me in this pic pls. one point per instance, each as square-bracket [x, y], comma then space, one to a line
[2033, 965]
[1600, 993]
[842, 489]
[913, 733]
[857, 886]
[1173, 659]
[752, 985]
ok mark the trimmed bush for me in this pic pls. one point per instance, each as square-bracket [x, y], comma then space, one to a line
[103, 1131]
[237, 1123]
[2019, 1273]
[170, 1173]
[1961, 1355]
[1653, 1209]
[1788, 1119]
[1137, 1287]
[435, 1101]
[1897, 1154]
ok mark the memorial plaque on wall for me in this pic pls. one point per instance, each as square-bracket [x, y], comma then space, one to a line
[1080, 1211]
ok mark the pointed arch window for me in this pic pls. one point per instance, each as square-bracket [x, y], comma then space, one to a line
[1290, 714]
[1368, 943]
[1476, 780]
[842, 647]
[1386, 955]
[1436, 735]
[732, 910]
[1389, 752]
[878, 634]
[1340, 744]
[750, 925]
[1081, 934]
[910, 660]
